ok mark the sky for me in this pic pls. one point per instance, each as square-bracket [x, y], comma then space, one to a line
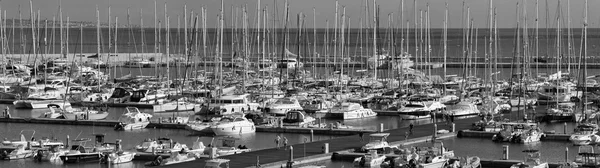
[84, 10]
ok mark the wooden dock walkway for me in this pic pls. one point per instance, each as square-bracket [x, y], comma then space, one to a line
[338, 144]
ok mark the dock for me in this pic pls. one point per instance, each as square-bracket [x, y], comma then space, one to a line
[313, 150]
[161, 125]
[489, 135]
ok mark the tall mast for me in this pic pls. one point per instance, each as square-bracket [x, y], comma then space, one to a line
[185, 38]
[314, 39]
[491, 72]
[62, 44]
[167, 50]
[342, 45]
[375, 38]
[98, 41]
[156, 42]
[221, 48]
[537, 34]
[204, 38]
[445, 40]
[335, 35]
[33, 41]
[116, 45]
[569, 36]
[584, 76]
[109, 44]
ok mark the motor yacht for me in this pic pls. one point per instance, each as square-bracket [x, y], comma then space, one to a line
[160, 145]
[71, 113]
[532, 160]
[282, 106]
[413, 110]
[372, 159]
[133, 119]
[377, 141]
[585, 134]
[297, 119]
[20, 152]
[462, 109]
[233, 126]
[348, 111]
[229, 104]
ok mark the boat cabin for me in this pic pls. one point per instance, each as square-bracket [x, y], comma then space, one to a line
[295, 116]
[377, 141]
[232, 103]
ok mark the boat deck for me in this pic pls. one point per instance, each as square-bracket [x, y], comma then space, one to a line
[272, 155]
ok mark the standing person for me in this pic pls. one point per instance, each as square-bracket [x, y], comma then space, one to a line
[277, 139]
[285, 142]
[411, 127]
[360, 135]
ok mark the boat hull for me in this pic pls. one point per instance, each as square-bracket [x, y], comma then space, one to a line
[78, 158]
[233, 130]
[38, 104]
[120, 158]
[93, 116]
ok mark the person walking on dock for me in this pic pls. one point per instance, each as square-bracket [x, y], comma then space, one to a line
[285, 142]
[411, 127]
[277, 139]
[360, 135]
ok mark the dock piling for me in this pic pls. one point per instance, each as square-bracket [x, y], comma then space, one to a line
[380, 127]
[326, 148]
[567, 154]
[505, 152]
[453, 127]
[312, 135]
[565, 128]
[68, 140]
[290, 162]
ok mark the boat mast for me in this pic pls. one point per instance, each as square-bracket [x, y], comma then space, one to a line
[342, 46]
[584, 76]
[156, 42]
[375, 38]
[115, 41]
[446, 41]
[537, 39]
[569, 37]
[167, 50]
[204, 41]
[314, 55]
[107, 70]
[221, 49]
[98, 42]
[335, 35]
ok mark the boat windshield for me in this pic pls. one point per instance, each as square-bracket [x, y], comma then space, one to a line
[414, 105]
[225, 119]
